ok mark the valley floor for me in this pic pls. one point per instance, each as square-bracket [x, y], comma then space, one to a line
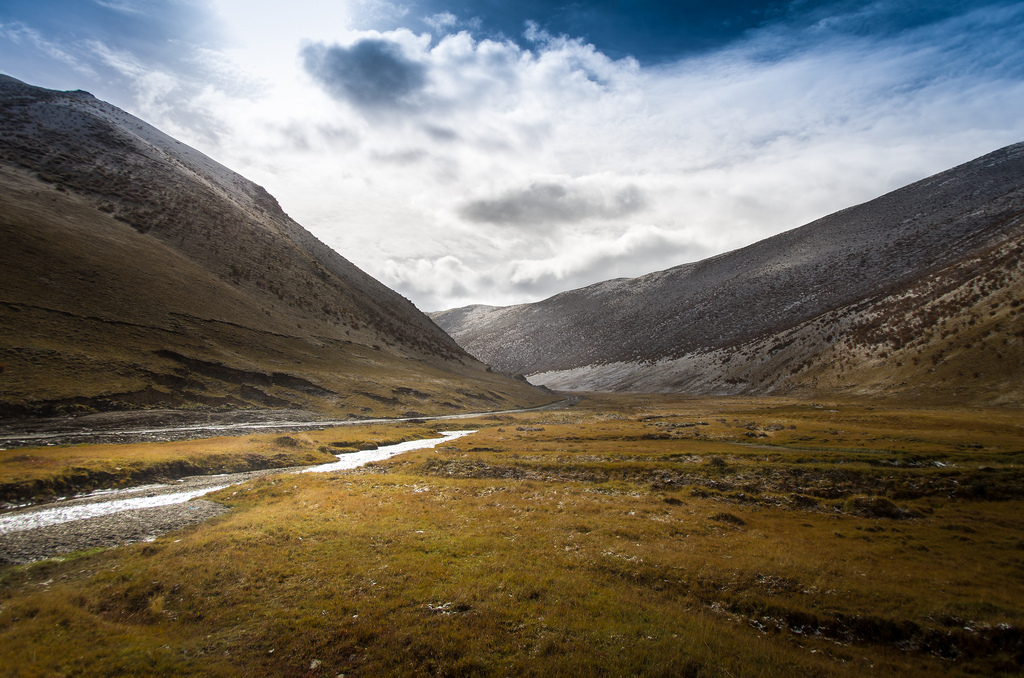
[626, 535]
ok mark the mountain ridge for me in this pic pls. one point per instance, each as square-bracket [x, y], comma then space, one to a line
[695, 315]
[139, 272]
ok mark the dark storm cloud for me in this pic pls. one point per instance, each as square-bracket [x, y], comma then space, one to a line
[441, 133]
[550, 203]
[372, 74]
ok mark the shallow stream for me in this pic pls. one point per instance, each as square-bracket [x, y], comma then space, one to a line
[106, 502]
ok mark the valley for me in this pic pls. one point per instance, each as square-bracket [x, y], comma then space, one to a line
[801, 457]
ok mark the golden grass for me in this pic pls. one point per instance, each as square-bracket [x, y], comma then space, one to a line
[600, 540]
[43, 472]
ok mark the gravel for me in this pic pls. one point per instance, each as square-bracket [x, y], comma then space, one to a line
[19, 545]
[126, 527]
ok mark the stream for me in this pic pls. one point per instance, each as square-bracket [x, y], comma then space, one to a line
[111, 517]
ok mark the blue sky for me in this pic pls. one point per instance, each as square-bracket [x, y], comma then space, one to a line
[482, 151]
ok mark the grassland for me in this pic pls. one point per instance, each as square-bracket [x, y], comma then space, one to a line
[659, 536]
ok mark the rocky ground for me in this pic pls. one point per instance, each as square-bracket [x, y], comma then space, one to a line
[125, 527]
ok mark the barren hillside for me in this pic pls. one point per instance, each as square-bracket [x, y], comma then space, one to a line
[138, 272]
[917, 291]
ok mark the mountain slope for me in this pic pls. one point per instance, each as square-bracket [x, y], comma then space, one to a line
[136, 271]
[783, 313]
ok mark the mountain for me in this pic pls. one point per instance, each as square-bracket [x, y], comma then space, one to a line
[916, 293]
[137, 272]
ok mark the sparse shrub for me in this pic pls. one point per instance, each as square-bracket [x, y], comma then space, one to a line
[966, 529]
[725, 517]
[978, 488]
[717, 463]
[802, 501]
[878, 507]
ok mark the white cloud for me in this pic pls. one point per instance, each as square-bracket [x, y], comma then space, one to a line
[584, 258]
[442, 21]
[505, 174]
[725, 149]
[26, 37]
[436, 280]
[123, 7]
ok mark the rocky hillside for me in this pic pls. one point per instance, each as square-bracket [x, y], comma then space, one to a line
[917, 292]
[135, 271]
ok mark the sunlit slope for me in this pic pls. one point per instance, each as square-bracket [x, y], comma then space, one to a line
[135, 271]
[857, 301]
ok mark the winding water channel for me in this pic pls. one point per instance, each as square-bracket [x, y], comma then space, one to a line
[111, 517]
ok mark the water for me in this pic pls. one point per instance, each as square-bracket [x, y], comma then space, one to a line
[66, 514]
[107, 502]
[355, 459]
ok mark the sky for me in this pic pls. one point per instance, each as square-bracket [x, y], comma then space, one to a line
[486, 151]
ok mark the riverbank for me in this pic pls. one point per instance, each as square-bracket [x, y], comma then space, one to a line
[124, 516]
[157, 425]
[40, 474]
